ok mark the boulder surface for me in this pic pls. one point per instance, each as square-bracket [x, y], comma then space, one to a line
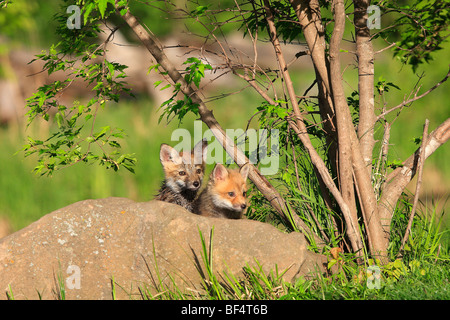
[92, 248]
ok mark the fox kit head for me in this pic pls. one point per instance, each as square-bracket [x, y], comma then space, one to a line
[229, 188]
[184, 170]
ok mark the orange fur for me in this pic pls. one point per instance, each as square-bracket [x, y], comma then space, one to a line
[225, 195]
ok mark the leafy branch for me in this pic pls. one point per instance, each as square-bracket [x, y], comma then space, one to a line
[77, 138]
[180, 107]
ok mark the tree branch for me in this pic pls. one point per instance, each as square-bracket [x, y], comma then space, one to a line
[416, 97]
[418, 185]
[344, 125]
[397, 181]
[308, 14]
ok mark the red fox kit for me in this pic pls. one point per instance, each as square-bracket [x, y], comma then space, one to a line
[183, 174]
[225, 195]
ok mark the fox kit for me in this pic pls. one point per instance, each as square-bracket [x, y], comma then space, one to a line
[183, 174]
[225, 195]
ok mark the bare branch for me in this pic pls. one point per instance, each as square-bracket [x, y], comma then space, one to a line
[418, 185]
[416, 97]
[252, 82]
[397, 181]
[385, 48]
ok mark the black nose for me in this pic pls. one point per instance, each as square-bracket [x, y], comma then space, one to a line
[196, 183]
[243, 206]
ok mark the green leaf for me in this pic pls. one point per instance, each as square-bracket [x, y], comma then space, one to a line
[332, 263]
[114, 144]
[199, 11]
[165, 87]
[153, 67]
[102, 7]
[59, 119]
[110, 67]
[102, 132]
[192, 60]
[121, 3]
[398, 264]
[87, 10]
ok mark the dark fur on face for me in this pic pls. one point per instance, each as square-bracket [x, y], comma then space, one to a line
[183, 174]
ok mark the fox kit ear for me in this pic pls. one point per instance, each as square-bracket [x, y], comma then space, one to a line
[219, 172]
[244, 171]
[200, 151]
[169, 154]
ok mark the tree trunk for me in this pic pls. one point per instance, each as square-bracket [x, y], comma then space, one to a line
[344, 125]
[365, 56]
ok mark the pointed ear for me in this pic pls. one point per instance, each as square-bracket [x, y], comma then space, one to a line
[199, 151]
[219, 172]
[244, 170]
[169, 154]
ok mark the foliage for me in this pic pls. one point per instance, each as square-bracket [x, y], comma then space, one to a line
[423, 27]
[211, 284]
[77, 138]
[193, 75]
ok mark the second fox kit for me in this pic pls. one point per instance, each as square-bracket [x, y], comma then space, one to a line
[225, 195]
[183, 173]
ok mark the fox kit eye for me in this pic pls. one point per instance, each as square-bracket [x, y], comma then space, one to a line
[231, 194]
[244, 193]
[199, 171]
[182, 173]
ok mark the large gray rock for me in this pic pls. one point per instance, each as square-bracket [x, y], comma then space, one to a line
[87, 244]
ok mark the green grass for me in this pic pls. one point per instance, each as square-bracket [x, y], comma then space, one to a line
[424, 279]
[430, 284]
